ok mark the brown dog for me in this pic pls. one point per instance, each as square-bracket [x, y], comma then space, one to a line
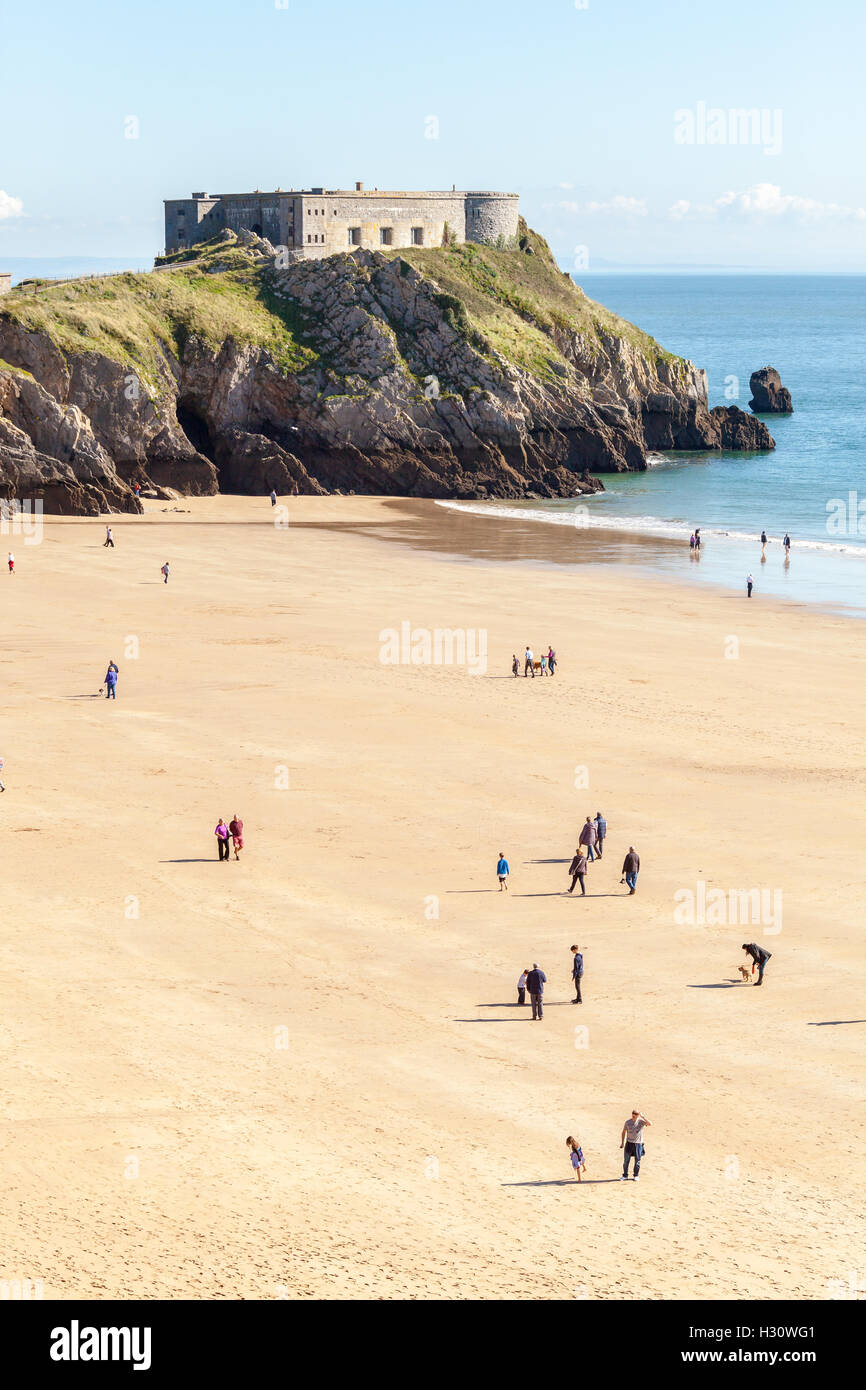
[744, 971]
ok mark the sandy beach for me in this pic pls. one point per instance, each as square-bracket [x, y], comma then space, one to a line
[304, 1075]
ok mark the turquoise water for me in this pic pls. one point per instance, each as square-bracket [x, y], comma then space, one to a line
[813, 330]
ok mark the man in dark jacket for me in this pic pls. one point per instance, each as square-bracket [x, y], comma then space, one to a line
[759, 957]
[630, 869]
[535, 982]
[601, 831]
[577, 973]
[577, 869]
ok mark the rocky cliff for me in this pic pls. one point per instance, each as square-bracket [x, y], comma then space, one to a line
[460, 371]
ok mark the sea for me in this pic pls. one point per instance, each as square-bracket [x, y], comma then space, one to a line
[812, 329]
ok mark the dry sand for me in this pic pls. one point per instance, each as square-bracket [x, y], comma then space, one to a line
[286, 1077]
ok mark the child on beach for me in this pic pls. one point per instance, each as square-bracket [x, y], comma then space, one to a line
[543, 664]
[164, 571]
[11, 563]
[521, 988]
[502, 872]
[578, 1162]
[515, 665]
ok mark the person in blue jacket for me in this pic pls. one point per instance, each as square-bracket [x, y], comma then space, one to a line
[502, 872]
[111, 682]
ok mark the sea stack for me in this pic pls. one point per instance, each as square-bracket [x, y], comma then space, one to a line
[769, 396]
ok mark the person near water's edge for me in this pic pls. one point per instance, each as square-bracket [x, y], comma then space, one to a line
[631, 869]
[749, 585]
[577, 973]
[787, 544]
[577, 869]
[759, 958]
[535, 982]
[502, 872]
[588, 837]
[601, 831]
[630, 1140]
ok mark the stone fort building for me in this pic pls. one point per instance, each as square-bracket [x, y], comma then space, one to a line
[320, 221]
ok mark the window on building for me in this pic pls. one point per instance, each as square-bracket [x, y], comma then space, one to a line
[309, 238]
[417, 236]
[385, 235]
[354, 236]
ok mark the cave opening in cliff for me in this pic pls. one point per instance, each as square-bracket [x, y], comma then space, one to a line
[195, 427]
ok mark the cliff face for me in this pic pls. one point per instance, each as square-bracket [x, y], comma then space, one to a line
[456, 372]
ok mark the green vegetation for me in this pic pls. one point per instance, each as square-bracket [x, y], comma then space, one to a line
[512, 299]
[218, 292]
[521, 302]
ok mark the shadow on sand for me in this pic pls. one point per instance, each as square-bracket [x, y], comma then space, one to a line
[560, 1182]
[835, 1022]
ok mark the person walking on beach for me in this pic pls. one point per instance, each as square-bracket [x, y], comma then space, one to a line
[749, 584]
[787, 544]
[692, 543]
[109, 538]
[543, 664]
[2, 762]
[763, 545]
[236, 830]
[577, 973]
[528, 659]
[536, 980]
[631, 869]
[222, 839]
[164, 571]
[502, 872]
[588, 837]
[600, 831]
[111, 681]
[273, 498]
[759, 958]
[515, 664]
[631, 1141]
[578, 1163]
[521, 988]
[551, 661]
[697, 538]
[577, 869]
[11, 563]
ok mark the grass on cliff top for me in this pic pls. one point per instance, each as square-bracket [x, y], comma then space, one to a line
[519, 301]
[133, 318]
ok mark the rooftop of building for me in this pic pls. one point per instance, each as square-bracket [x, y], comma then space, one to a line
[349, 193]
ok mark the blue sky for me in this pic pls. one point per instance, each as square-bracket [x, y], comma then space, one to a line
[594, 115]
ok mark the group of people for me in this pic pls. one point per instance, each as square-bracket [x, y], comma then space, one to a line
[786, 546]
[545, 663]
[235, 829]
[631, 1141]
[590, 846]
[534, 979]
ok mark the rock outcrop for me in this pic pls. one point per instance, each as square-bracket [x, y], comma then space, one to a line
[462, 372]
[769, 396]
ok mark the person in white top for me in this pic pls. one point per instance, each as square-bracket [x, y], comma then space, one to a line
[521, 983]
[631, 1139]
[528, 659]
